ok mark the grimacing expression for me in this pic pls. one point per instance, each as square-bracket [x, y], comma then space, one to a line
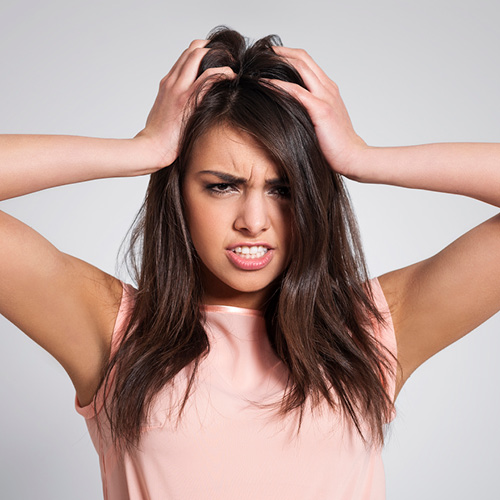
[238, 213]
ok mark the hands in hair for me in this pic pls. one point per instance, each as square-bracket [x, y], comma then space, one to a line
[164, 123]
[338, 140]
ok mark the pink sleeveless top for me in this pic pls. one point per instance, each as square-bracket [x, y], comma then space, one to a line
[225, 447]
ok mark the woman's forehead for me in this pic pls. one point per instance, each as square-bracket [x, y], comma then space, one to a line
[233, 150]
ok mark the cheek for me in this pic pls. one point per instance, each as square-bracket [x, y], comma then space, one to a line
[206, 223]
[203, 233]
[283, 224]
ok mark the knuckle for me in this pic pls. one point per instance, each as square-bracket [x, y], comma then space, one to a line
[166, 78]
[211, 71]
[323, 109]
[323, 106]
[200, 51]
[300, 64]
[335, 88]
[197, 43]
[166, 82]
[220, 69]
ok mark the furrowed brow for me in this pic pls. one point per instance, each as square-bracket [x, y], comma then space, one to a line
[224, 176]
[231, 179]
[277, 182]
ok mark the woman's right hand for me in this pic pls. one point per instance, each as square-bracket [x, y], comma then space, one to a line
[164, 123]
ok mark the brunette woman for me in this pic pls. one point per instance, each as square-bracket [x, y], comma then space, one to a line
[254, 358]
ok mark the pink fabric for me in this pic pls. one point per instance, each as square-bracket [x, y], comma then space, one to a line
[225, 448]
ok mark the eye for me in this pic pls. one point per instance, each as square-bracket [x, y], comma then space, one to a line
[281, 192]
[220, 188]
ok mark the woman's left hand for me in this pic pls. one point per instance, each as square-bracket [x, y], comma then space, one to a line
[338, 140]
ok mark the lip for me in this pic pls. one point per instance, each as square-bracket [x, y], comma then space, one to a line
[250, 264]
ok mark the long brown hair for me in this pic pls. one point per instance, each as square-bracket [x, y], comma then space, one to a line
[319, 318]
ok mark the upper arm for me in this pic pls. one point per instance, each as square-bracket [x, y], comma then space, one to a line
[436, 301]
[64, 304]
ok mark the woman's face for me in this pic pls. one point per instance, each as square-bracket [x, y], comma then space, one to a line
[238, 213]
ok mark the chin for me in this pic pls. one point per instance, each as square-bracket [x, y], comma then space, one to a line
[227, 285]
[251, 283]
[249, 288]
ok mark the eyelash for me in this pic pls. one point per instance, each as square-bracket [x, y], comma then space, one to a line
[220, 189]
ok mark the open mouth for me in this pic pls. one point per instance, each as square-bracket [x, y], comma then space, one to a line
[253, 252]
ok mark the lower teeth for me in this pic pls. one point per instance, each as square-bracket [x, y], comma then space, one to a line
[251, 256]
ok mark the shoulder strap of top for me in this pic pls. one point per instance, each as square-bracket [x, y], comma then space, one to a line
[123, 316]
[121, 323]
[385, 334]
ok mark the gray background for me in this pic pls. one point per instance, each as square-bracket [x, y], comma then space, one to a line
[410, 72]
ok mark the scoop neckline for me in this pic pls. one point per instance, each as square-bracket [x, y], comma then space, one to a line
[232, 310]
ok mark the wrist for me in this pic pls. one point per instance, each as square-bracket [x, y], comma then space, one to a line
[359, 163]
[149, 154]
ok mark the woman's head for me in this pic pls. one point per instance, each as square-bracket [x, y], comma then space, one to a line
[269, 123]
[250, 170]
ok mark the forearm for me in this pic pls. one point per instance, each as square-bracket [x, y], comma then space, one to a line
[469, 169]
[30, 163]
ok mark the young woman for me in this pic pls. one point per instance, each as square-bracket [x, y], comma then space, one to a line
[255, 359]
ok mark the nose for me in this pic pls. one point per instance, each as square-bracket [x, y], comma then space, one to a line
[252, 217]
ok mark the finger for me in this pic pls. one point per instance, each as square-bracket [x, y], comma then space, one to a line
[222, 71]
[295, 55]
[195, 44]
[202, 85]
[306, 98]
[188, 72]
[212, 75]
[303, 55]
[311, 80]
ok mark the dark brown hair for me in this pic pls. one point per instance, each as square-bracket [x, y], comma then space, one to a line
[321, 316]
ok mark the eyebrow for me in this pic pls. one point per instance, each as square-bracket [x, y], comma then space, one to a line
[231, 179]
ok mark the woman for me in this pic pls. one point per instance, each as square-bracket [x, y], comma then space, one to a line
[252, 291]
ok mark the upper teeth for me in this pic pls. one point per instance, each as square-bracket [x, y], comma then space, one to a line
[254, 252]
